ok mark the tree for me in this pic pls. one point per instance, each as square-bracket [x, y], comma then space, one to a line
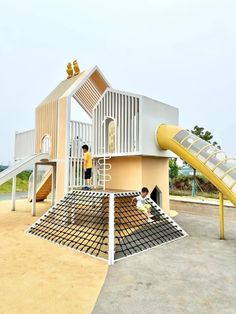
[173, 169]
[208, 137]
[205, 135]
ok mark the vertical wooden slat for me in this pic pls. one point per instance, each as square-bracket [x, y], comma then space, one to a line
[125, 122]
[138, 124]
[131, 124]
[128, 124]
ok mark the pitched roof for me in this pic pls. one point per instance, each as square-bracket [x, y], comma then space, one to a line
[87, 88]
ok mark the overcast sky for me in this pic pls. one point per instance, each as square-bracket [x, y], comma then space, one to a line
[179, 52]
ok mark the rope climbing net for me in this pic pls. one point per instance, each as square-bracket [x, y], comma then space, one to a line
[78, 221]
[133, 233]
[105, 225]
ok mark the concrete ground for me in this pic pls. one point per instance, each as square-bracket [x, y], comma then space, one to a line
[196, 274]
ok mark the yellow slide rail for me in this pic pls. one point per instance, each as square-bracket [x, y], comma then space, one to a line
[206, 158]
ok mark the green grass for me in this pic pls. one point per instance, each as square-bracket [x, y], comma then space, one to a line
[21, 183]
[189, 193]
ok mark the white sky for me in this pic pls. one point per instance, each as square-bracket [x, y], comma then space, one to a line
[179, 52]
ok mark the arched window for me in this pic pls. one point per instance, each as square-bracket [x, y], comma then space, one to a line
[111, 135]
[46, 144]
[110, 127]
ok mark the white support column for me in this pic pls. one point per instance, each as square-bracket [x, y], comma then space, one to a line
[53, 183]
[111, 244]
[104, 154]
[67, 146]
[34, 189]
[13, 208]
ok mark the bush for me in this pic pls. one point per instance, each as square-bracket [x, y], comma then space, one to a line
[184, 183]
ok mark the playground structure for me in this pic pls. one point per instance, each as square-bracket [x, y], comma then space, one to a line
[121, 136]
[131, 138]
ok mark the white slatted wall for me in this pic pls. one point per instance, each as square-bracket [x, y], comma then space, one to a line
[24, 144]
[80, 134]
[88, 95]
[124, 109]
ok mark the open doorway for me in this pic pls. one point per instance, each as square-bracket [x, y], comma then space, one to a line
[156, 196]
[78, 113]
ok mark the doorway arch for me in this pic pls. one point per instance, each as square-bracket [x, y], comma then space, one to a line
[110, 135]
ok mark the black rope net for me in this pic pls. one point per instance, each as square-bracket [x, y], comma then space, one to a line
[133, 232]
[81, 221]
[78, 221]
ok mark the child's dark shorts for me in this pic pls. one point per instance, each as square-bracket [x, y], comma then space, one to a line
[88, 173]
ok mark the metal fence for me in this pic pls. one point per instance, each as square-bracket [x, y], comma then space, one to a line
[80, 134]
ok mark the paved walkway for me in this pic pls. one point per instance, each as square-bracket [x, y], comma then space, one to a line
[194, 275]
[8, 196]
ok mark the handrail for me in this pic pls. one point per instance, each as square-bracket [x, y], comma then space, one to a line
[21, 165]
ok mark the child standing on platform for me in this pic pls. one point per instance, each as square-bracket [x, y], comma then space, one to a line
[88, 164]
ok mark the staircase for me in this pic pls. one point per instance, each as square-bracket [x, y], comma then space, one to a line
[44, 186]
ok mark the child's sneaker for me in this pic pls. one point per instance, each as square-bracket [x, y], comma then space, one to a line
[86, 188]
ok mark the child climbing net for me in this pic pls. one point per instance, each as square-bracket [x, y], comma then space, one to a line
[140, 203]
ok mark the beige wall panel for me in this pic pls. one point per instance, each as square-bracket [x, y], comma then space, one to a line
[62, 128]
[61, 148]
[155, 171]
[46, 123]
[126, 173]
[132, 173]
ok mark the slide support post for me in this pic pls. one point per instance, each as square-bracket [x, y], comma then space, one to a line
[221, 199]
[34, 189]
[13, 206]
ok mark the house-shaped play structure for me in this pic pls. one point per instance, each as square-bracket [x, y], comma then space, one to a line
[121, 136]
[131, 138]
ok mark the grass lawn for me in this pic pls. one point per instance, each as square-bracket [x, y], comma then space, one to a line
[21, 183]
[189, 193]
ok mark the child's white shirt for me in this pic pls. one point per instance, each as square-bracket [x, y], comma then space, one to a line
[140, 201]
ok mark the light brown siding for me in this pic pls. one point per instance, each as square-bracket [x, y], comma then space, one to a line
[62, 149]
[99, 81]
[132, 173]
[88, 95]
[46, 124]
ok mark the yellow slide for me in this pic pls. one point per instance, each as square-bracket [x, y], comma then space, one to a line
[206, 158]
